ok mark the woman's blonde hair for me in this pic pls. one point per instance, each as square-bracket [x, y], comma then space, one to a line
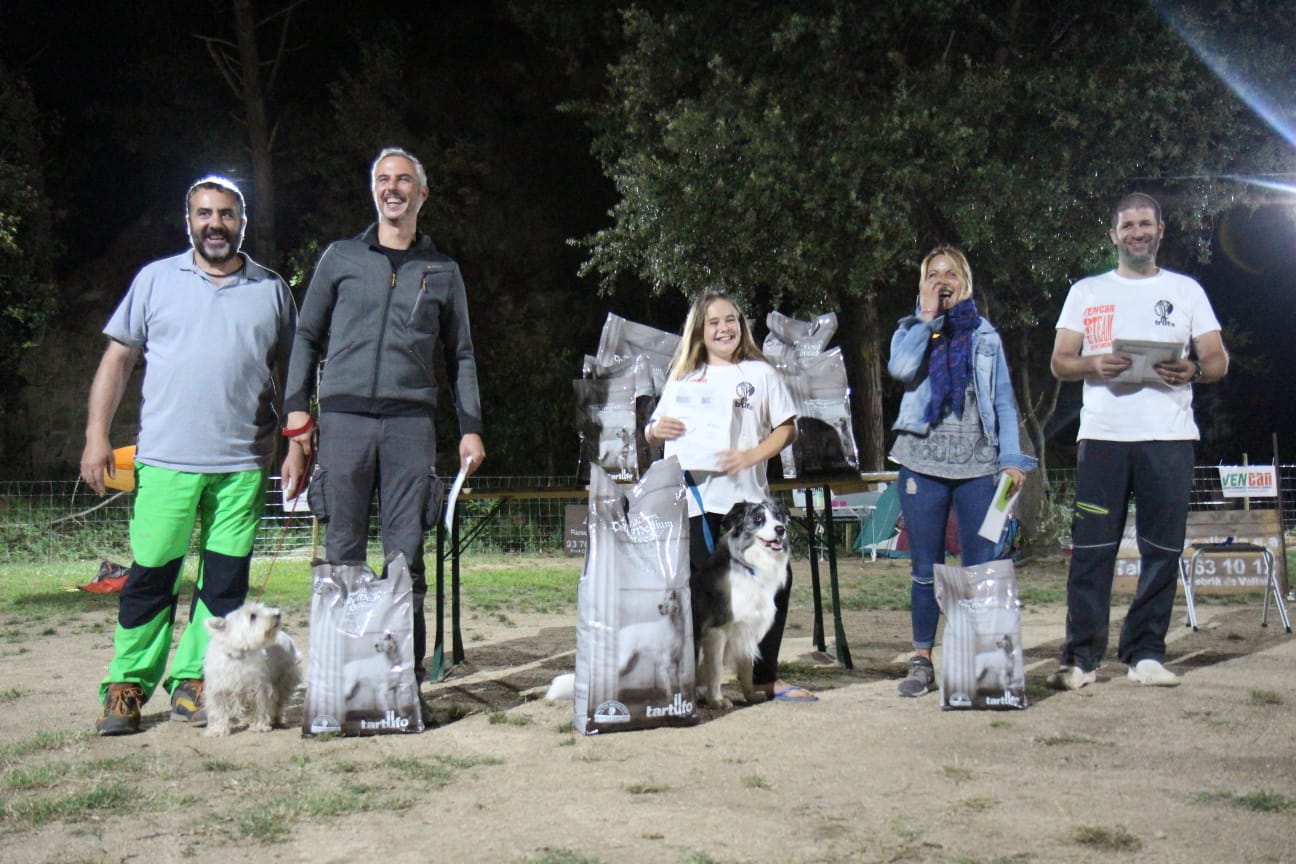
[957, 260]
[690, 353]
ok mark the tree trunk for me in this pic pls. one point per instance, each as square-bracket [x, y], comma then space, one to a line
[259, 135]
[1035, 411]
[864, 369]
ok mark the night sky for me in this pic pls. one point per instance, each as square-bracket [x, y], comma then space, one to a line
[93, 67]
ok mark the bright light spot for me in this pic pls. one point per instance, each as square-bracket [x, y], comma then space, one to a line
[1266, 184]
[1213, 50]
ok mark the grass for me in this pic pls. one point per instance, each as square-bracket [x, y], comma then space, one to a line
[32, 594]
[1107, 839]
[490, 584]
[1066, 740]
[561, 856]
[884, 584]
[54, 785]
[1259, 802]
[646, 789]
[957, 773]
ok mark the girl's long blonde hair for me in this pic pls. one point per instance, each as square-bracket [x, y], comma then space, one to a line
[690, 353]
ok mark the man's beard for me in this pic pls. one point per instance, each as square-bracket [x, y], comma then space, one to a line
[1138, 260]
[215, 256]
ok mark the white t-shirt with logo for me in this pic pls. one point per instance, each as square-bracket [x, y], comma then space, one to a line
[1167, 307]
[761, 401]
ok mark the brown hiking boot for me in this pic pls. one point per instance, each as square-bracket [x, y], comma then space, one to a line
[121, 711]
[187, 702]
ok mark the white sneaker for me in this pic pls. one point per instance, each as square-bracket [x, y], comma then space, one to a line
[1152, 673]
[1071, 678]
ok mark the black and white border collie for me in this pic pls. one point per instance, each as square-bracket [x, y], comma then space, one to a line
[733, 597]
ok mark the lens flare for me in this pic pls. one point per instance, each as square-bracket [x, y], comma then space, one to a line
[1228, 62]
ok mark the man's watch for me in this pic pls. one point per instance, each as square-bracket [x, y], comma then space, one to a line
[1197, 372]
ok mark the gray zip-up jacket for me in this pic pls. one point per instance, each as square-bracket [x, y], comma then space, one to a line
[377, 330]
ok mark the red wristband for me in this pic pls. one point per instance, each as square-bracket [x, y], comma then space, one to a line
[305, 427]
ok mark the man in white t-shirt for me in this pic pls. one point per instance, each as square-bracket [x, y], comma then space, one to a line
[1136, 437]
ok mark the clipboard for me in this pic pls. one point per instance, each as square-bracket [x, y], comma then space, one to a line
[1145, 354]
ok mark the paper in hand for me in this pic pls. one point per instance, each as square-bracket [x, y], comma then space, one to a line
[297, 503]
[1001, 506]
[707, 414]
[454, 493]
[1144, 356]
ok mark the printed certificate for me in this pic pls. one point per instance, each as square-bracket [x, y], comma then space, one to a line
[706, 410]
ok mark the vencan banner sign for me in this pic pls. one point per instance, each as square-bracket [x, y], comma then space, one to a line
[1249, 481]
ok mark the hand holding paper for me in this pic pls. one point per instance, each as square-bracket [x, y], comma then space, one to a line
[705, 412]
[1144, 356]
[1001, 505]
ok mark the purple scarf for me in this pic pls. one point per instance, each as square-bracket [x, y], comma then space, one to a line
[950, 364]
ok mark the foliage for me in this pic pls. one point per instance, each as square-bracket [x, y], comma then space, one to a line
[500, 203]
[27, 299]
[810, 153]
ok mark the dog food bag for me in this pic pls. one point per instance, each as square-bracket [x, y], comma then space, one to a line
[634, 630]
[816, 378]
[607, 420]
[360, 675]
[981, 654]
[791, 338]
[825, 440]
[623, 340]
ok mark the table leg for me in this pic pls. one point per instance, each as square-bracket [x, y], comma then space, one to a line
[839, 629]
[818, 635]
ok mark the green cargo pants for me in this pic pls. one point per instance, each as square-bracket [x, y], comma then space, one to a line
[227, 507]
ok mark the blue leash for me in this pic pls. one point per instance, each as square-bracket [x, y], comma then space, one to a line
[697, 496]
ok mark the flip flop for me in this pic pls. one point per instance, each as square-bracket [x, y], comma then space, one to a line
[785, 695]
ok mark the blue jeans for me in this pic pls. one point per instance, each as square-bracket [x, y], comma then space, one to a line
[925, 502]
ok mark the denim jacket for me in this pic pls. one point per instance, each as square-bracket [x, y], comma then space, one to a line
[994, 395]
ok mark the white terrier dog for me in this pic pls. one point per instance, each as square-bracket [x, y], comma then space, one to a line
[251, 669]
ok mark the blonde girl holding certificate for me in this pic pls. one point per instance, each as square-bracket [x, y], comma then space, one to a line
[724, 413]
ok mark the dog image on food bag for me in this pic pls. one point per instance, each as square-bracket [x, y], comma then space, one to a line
[650, 654]
[376, 682]
[733, 597]
[251, 669]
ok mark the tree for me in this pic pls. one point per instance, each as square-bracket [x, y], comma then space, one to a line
[811, 153]
[509, 179]
[1063, 110]
[745, 162]
[27, 297]
[241, 67]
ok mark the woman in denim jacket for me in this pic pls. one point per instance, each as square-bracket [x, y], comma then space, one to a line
[957, 431]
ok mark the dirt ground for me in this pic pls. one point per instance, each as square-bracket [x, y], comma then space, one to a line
[1205, 772]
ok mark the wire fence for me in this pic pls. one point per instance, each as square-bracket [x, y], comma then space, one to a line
[64, 520]
[1207, 493]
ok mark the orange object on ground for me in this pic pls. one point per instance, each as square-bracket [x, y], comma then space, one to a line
[110, 579]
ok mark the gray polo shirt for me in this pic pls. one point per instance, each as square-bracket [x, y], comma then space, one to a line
[214, 359]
